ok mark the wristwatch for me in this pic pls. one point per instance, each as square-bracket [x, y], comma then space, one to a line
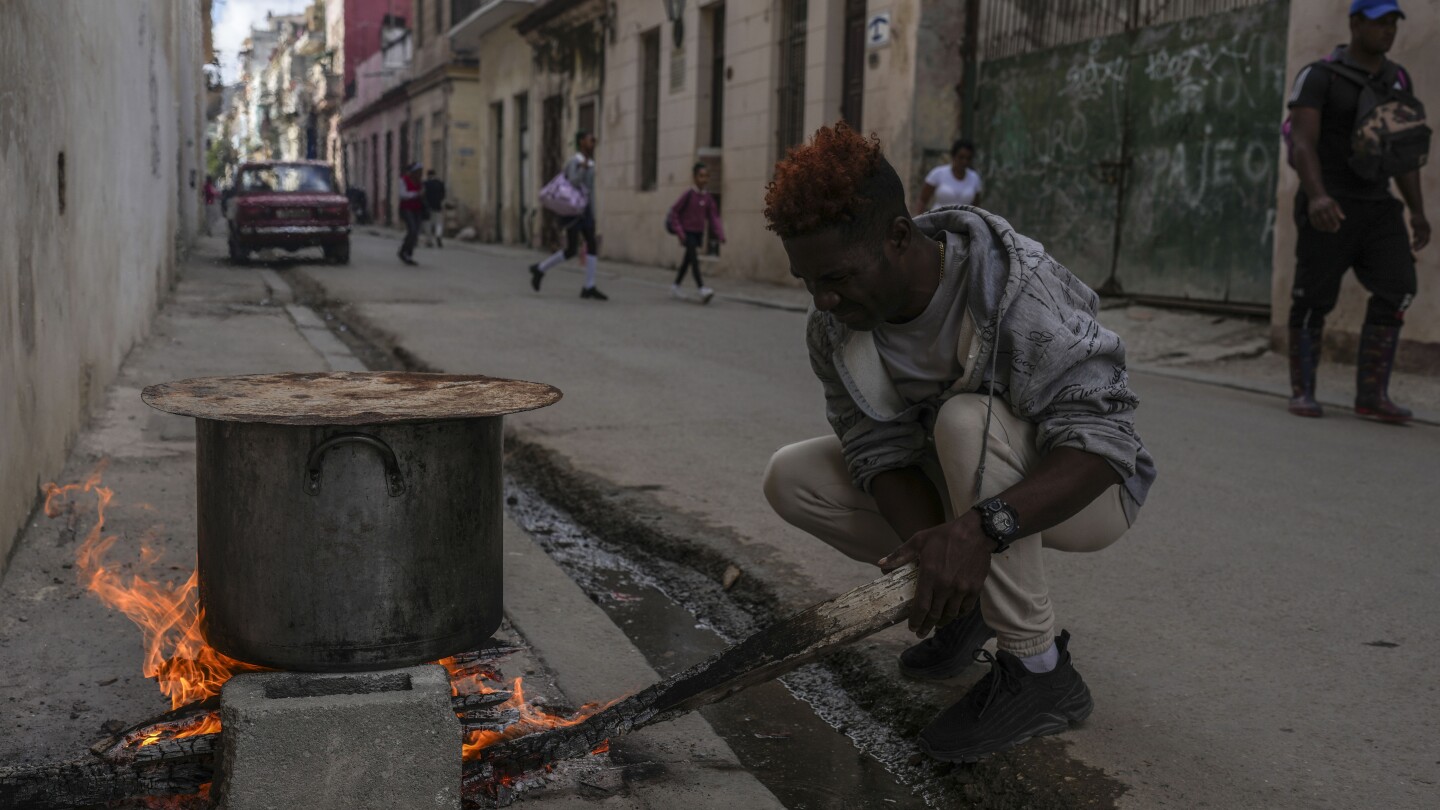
[999, 522]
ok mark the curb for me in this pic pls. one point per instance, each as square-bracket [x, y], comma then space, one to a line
[1420, 418]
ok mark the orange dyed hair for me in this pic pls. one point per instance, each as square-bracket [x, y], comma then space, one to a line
[840, 179]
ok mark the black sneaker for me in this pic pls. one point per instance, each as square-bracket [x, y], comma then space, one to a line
[406, 259]
[949, 650]
[1008, 706]
[593, 292]
[536, 274]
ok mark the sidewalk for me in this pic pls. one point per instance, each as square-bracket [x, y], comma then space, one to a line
[1224, 350]
[73, 665]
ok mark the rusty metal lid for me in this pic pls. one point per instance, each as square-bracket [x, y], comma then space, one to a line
[348, 397]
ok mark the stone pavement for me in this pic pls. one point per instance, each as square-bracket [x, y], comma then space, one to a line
[68, 664]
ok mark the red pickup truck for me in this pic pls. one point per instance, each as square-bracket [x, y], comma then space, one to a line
[290, 205]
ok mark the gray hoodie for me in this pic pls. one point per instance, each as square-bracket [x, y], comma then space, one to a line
[1053, 362]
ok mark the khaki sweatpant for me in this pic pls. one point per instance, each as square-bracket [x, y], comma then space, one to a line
[809, 486]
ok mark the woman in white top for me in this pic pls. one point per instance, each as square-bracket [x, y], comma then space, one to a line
[953, 183]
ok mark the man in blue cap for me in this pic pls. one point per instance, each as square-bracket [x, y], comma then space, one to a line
[1345, 212]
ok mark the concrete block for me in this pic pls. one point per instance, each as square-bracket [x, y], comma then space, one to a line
[341, 741]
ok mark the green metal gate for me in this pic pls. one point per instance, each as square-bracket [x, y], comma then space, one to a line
[1144, 160]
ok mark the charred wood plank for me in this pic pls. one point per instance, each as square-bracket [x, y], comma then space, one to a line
[489, 721]
[174, 767]
[485, 655]
[770, 653]
[466, 703]
[175, 720]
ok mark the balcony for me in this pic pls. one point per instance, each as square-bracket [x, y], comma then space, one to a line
[476, 18]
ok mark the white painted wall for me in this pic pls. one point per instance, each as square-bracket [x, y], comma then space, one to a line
[116, 87]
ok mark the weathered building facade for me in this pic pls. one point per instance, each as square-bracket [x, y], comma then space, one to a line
[744, 82]
[371, 123]
[505, 179]
[444, 109]
[730, 84]
[97, 215]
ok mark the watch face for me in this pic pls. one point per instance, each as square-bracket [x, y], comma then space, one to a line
[1002, 522]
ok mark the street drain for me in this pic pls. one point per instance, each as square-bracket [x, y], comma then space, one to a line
[676, 616]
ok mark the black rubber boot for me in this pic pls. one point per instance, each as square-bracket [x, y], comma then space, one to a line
[949, 650]
[1372, 375]
[1008, 706]
[1304, 359]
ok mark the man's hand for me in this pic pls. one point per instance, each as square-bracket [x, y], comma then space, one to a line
[1420, 230]
[954, 560]
[1325, 214]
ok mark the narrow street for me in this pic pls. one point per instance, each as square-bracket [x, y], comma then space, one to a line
[1222, 638]
[299, 509]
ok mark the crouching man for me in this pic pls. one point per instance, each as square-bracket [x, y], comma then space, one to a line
[981, 414]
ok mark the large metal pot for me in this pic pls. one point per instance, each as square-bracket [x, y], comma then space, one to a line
[357, 528]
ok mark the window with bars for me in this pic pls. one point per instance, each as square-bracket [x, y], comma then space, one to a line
[497, 164]
[853, 84]
[522, 146]
[717, 75]
[790, 107]
[1016, 27]
[649, 109]
[585, 117]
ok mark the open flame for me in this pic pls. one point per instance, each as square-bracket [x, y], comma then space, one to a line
[187, 669]
[465, 680]
[184, 667]
[531, 720]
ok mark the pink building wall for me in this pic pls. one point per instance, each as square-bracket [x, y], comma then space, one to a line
[362, 30]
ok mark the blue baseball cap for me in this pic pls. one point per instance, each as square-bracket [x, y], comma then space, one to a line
[1375, 9]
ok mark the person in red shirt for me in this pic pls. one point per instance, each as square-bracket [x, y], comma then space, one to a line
[412, 210]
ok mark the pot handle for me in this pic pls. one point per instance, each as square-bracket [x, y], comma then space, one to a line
[393, 480]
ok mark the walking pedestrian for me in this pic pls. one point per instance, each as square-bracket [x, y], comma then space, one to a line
[953, 183]
[1344, 211]
[435, 202]
[412, 210]
[580, 172]
[981, 414]
[212, 196]
[688, 219]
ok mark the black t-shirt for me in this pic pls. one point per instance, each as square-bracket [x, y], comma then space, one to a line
[1338, 99]
[434, 193]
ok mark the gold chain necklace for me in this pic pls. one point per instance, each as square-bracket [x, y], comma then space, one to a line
[941, 243]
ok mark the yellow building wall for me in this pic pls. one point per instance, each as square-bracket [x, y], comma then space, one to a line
[507, 70]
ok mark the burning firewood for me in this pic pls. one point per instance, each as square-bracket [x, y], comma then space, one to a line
[167, 768]
[200, 717]
[768, 654]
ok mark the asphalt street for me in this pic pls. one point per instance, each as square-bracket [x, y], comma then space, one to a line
[1263, 637]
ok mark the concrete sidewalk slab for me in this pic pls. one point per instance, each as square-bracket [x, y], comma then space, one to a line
[592, 660]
